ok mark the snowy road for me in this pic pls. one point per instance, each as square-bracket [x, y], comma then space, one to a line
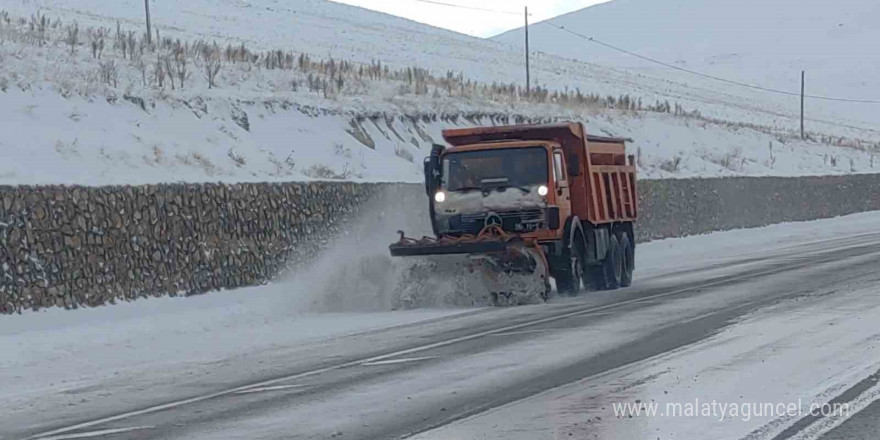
[774, 315]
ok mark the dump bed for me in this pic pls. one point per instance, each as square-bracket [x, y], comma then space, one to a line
[609, 182]
[601, 176]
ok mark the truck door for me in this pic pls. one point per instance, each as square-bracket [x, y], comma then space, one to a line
[562, 187]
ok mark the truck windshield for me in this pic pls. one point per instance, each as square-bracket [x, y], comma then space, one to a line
[495, 168]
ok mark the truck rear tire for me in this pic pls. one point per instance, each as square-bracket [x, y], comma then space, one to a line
[627, 254]
[612, 266]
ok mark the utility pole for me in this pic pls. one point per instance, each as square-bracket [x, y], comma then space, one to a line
[149, 30]
[528, 73]
[803, 86]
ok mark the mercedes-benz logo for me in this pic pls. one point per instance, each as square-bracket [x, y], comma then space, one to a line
[493, 220]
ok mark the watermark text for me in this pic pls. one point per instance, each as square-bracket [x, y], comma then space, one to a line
[722, 411]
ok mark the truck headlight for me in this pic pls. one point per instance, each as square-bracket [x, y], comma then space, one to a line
[543, 190]
[440, 197]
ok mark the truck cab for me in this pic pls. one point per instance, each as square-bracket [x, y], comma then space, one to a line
[520, 186]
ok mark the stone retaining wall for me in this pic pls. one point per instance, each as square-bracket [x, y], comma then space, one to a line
[675, 208]
[76, 246]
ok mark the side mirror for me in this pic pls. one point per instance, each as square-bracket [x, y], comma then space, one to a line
[574, 165]
[433, 170]
[429, 183]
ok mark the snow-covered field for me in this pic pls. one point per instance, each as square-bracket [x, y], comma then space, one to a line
[65, 121]
[72, 140]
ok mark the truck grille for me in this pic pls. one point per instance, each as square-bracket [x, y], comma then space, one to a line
[514, 221]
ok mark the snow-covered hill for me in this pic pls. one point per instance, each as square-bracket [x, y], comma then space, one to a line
[71, 116]
[760, 42]
[51, 139]
[326, 29]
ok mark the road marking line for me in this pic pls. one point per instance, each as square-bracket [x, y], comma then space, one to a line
[826, 424]
[97, 433]
[525, 332]
[265, 389]
[398, 361]
[175, 404]
[549, 330]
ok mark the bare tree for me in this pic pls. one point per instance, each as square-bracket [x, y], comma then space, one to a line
[159, 68]
[182, 66]
[72, 37]
[142, 67]
[38, 25]
[121, 42]
[96, 42]
[109, 73]
[131, 42]
[212, 68]
[169, 69]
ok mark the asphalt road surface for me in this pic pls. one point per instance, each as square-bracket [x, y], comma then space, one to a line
[474, 375]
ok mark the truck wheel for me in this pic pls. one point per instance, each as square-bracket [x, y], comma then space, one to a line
[628, 260]
[570, 274]
[612, 267]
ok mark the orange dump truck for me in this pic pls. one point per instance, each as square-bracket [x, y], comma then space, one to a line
[541, 200]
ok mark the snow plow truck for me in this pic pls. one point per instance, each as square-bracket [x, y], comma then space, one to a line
[532, 202]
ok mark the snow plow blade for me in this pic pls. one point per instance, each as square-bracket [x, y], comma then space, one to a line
[421, 249]
[514, 271]
[490, 240]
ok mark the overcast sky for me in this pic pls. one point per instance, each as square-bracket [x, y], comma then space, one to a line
[472, 21]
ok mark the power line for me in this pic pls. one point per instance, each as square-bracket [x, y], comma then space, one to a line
[472, 8]
[671, 66]
[705, 75]
[655, 61]
[496, 11]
